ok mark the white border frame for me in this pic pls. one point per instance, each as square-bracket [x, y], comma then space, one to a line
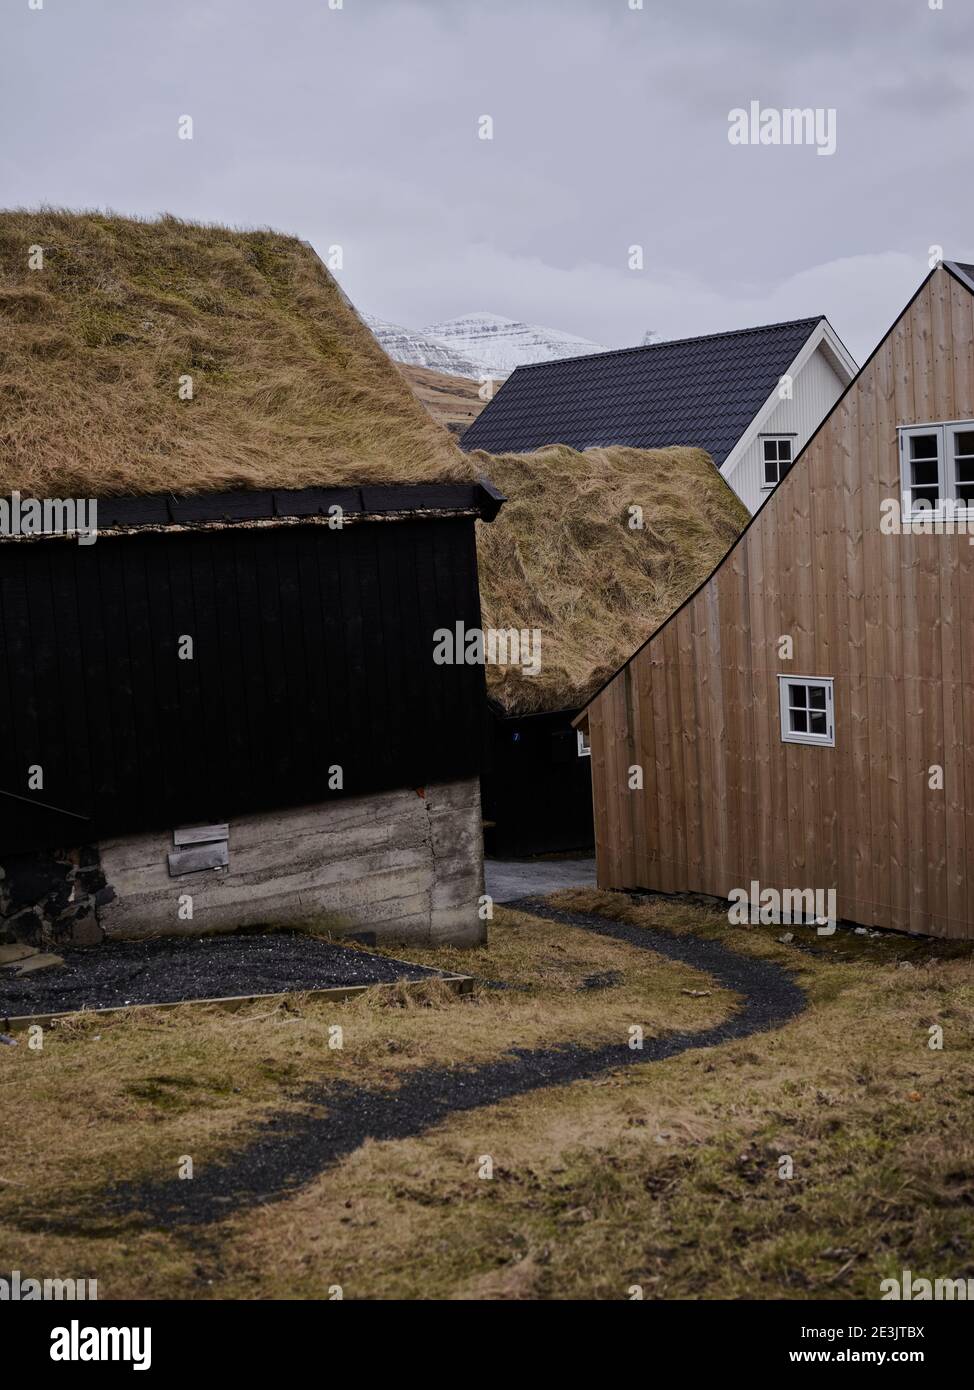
[787, 734]
[584, 749]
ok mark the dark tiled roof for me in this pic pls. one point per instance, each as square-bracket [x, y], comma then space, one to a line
[967, 270]
[699, 391]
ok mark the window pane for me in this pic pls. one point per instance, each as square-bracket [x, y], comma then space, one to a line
[816, 696]
[923, 446]
[964, 467]
[799, 721]
[770, 471]
[784, 449]
[925, 473]
[964, 477]
[925, 499]
[770, 449]
[797, 695]
[817, 723]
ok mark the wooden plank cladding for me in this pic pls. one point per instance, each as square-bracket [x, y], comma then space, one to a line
[311, 649]
[888, 618]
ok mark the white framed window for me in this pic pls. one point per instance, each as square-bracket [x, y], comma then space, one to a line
[807, 710]
[937, 467]
[584, 747]
[777, 456]
[961, 457]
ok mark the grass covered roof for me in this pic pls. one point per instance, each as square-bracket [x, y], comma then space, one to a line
[561, 557]
[289, 388]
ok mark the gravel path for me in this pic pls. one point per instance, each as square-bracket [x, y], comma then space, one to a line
[171, 969]
[290, 1149]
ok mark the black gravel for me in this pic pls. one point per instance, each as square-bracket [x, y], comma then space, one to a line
[290, 1149]
[172, 969]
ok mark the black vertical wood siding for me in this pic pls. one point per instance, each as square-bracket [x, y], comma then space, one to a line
[312, 647]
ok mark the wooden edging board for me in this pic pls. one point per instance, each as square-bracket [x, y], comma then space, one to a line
[460, 984]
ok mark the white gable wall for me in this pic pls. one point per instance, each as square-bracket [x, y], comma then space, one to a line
[816, 388]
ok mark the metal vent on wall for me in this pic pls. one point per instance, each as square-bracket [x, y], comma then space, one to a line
[198, 847]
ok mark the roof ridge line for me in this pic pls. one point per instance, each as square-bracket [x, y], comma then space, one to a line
[673, 342]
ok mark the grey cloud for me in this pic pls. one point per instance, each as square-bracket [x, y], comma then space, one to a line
[358, 126]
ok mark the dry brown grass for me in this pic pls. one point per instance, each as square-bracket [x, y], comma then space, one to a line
[663, 1175]
[667, 1176]
[290, 388]
[562, 558]
[453, 401]
[134, 1085]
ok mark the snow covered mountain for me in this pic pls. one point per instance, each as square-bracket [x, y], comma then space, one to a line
[476, 345]
[499, 344]
[420, 350]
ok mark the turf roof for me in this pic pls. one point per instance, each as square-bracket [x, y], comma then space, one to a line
[562, 557]
[289, 388]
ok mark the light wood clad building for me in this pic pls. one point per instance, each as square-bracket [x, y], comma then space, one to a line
[805, 720]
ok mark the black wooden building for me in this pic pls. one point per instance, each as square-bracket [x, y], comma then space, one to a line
[228, 654]
[219, 654]
[225, 711]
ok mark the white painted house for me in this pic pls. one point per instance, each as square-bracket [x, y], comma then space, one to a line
[752, 398]
[787, 419]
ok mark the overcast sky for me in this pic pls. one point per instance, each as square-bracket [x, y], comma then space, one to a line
[358, 126]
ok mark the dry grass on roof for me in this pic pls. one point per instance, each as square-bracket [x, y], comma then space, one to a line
[290, 389]
[562, 558]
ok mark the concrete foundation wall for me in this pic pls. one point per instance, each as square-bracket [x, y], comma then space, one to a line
[406, 866]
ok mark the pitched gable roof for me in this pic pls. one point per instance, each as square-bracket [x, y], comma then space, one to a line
[289, 388]
[963, 272]
[702, 392]
[959, 271]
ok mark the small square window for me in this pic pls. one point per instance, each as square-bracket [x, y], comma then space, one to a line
[806, 709]
[777, 458]
[584, 747]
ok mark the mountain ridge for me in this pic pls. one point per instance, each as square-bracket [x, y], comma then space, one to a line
[476, 345]
[501, 344]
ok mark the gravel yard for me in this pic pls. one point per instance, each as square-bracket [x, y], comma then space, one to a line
[170, 970]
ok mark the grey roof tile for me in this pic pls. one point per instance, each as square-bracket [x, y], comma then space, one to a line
[702, 392]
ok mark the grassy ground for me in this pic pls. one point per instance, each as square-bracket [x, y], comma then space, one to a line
[664, 1175]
